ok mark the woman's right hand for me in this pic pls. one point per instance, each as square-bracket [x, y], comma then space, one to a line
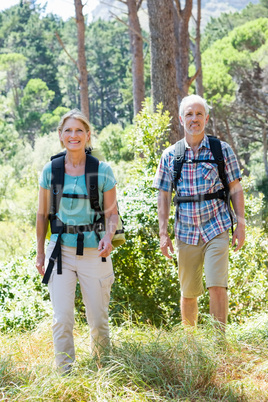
[40, 263]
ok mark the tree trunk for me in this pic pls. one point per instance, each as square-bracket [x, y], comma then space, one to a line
[136, 44]
[82, 64]
[181, 23]
[197, 56]
[163, 71]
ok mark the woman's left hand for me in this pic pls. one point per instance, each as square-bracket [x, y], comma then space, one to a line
[105, 246]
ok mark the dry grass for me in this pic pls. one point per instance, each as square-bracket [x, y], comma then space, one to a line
[145, 364]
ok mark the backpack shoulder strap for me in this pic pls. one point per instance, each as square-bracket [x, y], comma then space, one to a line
[91, 174]
[178, 161]
[57, 181]
[215, 147]
[63, 153]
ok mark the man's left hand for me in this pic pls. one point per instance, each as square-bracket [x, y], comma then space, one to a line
[239, 235]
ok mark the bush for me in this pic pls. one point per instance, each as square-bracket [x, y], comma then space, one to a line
[146, 282]
[114, 143]
[23, 300]
[248, 268]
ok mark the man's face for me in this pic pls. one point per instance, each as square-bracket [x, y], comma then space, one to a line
[194, 119]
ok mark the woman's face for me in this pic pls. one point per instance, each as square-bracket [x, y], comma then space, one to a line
[74, 135]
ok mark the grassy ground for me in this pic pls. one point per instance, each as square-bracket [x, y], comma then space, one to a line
[144, 364]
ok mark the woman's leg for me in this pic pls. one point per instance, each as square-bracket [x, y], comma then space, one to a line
[62, 294]
[96, 279]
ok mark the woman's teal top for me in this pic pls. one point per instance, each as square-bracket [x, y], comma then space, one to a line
[73, 211]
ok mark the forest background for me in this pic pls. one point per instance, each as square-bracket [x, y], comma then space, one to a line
[39, 81]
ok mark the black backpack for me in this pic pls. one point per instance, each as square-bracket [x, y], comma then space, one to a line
[179, 160]
[57, 226]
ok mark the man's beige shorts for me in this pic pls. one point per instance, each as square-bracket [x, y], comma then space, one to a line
[191, 259]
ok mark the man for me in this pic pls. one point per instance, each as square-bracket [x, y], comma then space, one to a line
[202, 227]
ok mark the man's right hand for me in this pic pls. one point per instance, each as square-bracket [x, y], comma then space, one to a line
[166, 245]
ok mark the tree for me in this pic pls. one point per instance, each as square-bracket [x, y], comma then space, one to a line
[23, 31]
[235, 85]
[218, 28]
[136, 46]
[197, 53]
[108, 59]
[163, 70]
[34, 103]
[14, 72]
[82, 64]
[182, 45]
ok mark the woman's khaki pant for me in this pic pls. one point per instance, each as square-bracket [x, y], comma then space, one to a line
[95, 278]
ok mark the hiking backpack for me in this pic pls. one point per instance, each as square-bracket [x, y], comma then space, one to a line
[179, 160]
[58, 227]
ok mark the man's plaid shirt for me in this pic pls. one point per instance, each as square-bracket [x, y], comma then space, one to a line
[207, 218]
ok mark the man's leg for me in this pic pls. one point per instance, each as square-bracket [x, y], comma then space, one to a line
[216, 270]
[218, 305]
[190, 263]
[189, 311]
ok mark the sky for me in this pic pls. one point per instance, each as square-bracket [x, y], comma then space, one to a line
[64, 8]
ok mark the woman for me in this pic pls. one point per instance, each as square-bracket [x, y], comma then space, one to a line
[93, 268]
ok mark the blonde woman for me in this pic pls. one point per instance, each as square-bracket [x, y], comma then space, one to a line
[80, 244]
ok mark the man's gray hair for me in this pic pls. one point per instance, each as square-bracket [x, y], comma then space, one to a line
[193, 99]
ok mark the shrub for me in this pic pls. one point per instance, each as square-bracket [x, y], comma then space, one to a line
[146, 282]
[114, 143]
[23, 300]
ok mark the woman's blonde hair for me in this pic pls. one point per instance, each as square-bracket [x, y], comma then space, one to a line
[78, 115]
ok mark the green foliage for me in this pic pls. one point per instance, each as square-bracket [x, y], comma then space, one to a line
[127, 88]
[34, 103]
[253, 331]
[146, 282]
[145, 279]
[227, 59]
[114, 143]
[50, 121]
[13, 69]
[250, 37]
[44, 148]
[219, 27]
[108, 56]
[248, 270]
[145, 364]
[24, 302]
[248, 277]
[22, 30]
[150, 135]
[234, 84]
[18, 204]
[9, 142]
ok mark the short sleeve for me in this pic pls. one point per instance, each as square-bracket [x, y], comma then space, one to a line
[232, 169]
[106, 176]
[45, 177]
[163, 178]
